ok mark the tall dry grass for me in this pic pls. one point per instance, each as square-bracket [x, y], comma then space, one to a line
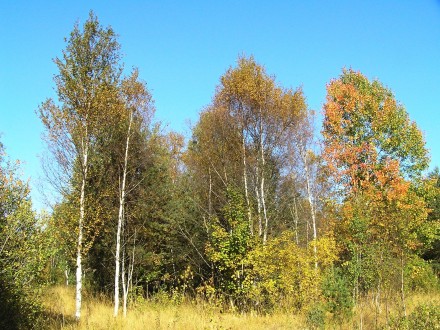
[97, 313]
[367, 315]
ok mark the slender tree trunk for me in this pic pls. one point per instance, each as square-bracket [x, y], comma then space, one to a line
[66, 274]
[257, 193]
[402, 286]
[263, 203]
[246, 193]
[263, 164]
[387, 310]
[117, 259]
[127, 278]
[377, 298]
[377, 302]
[125, 298]
[85, 149]
[312, 206]
[307, 232]
[358, 272]
[126, 285]
[296, 220]
[121, 216]
[210, 194]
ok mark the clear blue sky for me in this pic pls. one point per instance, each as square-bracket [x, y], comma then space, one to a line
[183, 47]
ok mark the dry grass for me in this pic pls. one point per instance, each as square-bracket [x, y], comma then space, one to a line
[97, 313]
[367, 316]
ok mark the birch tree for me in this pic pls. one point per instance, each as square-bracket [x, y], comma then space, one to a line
[86, 83]
[137, 111]
[305, 165]
[265, 113]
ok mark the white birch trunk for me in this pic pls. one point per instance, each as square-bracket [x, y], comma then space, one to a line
[263, 164]
[263, 203]
[126, 288]
[246, 193]
[121, 218]
[257, 193]
[80, 231]
[124, 284]
[312, 206]
[117, 260]
[295, 217]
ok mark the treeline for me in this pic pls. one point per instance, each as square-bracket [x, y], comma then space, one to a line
[252, 213]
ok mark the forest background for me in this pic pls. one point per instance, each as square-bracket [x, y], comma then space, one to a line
[252, 212]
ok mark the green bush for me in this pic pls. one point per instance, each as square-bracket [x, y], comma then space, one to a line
[424, 317]
[316, 317]
[420, 275]
[18, 310]
[337, 294]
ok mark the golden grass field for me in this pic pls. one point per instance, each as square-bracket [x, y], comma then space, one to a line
[97, 313]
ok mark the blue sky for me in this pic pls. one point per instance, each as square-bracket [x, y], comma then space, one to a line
[183, 47]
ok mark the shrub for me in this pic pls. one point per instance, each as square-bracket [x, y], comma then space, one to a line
[316, 317]
[337, 294]
[420, 275]
[424, 317]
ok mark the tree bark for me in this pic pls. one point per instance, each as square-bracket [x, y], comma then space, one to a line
[295, 217]
[127, 277]
[402, 287]
[246, 193]
[311, 204]
[263, 164]
[66, 274]
[121, 217]
[85, 148]
[260, 222]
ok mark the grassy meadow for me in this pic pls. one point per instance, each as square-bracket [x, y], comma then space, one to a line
[162, 313]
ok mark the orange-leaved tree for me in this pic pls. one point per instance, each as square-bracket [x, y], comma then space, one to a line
[373, 152]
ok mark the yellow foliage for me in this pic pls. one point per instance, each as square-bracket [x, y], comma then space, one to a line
[284, 272]
[327, 250]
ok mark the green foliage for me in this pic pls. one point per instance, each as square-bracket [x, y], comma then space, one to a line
[434, 200]
[24, 251]
[420, 276]
[337, 294]
[430, 190]
[315, 318]
[229, 244]
[424, 317]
